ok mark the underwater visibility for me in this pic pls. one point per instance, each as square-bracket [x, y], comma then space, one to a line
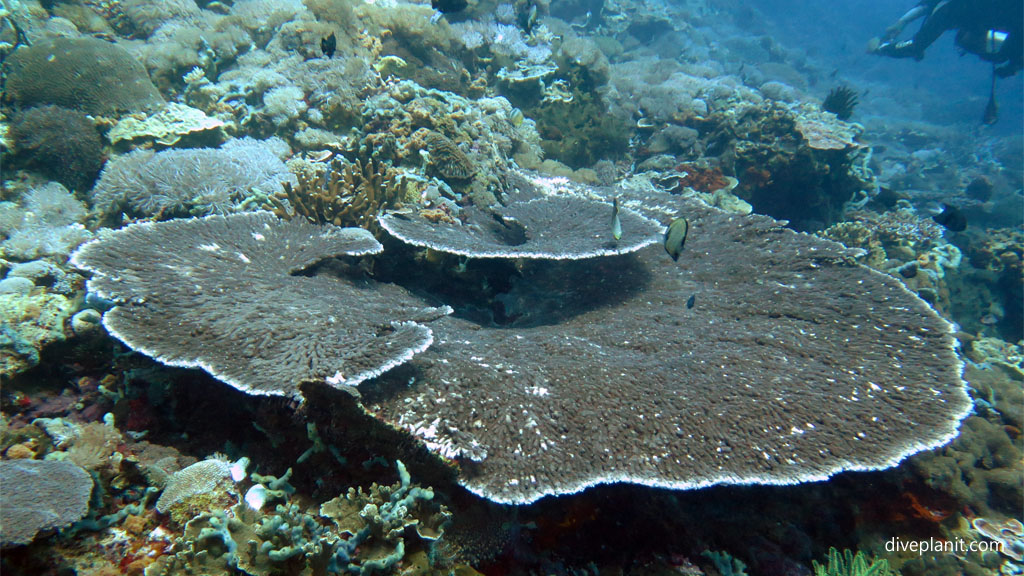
[512, 287]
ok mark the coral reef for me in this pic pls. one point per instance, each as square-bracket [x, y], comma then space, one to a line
[60, 143]
[361, 532]
[40, 495]
[47, 222]
[89, 74]
[346, 194]
[532, 365]
[239, 176]
[567, 227]
[166, 126]
[219, 293]
[28, 323]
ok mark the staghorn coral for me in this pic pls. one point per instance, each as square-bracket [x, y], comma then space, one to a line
[767, 394]
[89, 74]
[230, 282]
[40, 495]
[346, 194]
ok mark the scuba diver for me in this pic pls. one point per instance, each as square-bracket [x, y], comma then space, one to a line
[991, 29]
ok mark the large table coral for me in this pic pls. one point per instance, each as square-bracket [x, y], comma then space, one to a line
[792, 364]
[223, 294]
[762, 356]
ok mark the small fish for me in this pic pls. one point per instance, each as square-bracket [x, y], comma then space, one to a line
[675, 237]
[989, 319]
[616, 223]
[449, 6]
[908, 270]
[529, 19]
[328, 45]
[951, 219]
[690, 301]
[991, 115]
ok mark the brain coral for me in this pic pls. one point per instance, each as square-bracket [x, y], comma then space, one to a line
[221, 293]
[793, 364]
[92, 75]
[60, 143]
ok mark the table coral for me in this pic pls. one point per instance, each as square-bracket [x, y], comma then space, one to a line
[40, 495]
[231, 282]
[607, 398]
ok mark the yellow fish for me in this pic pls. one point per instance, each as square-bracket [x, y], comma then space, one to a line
[675, 237]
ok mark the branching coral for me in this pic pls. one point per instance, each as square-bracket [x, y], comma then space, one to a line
[347, 194]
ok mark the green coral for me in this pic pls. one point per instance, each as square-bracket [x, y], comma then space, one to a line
[849, 564]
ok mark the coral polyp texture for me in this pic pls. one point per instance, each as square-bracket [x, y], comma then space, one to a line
[220, 293]
[89, 74]
[553, 228]
[197, 181]
[793, 364]
[40, 495]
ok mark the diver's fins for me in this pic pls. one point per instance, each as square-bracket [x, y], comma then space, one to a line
[992, 108]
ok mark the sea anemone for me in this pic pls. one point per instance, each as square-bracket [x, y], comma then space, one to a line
[840, 101]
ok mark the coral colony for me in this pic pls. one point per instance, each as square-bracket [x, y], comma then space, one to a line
[407, 287]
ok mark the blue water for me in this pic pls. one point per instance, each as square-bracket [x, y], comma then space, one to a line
[952, 88]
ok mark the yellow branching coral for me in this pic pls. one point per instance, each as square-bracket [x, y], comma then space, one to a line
[347, 194]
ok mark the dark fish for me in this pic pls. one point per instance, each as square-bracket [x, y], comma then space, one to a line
[992, 108]
[675, 237]
[449, 6]
[528, 19]
[328, 45]
[690, 301]
[616, 223]
[951, 219]
[908, 270]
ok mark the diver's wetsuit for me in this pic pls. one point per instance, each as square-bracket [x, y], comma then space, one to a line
[973, 20]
